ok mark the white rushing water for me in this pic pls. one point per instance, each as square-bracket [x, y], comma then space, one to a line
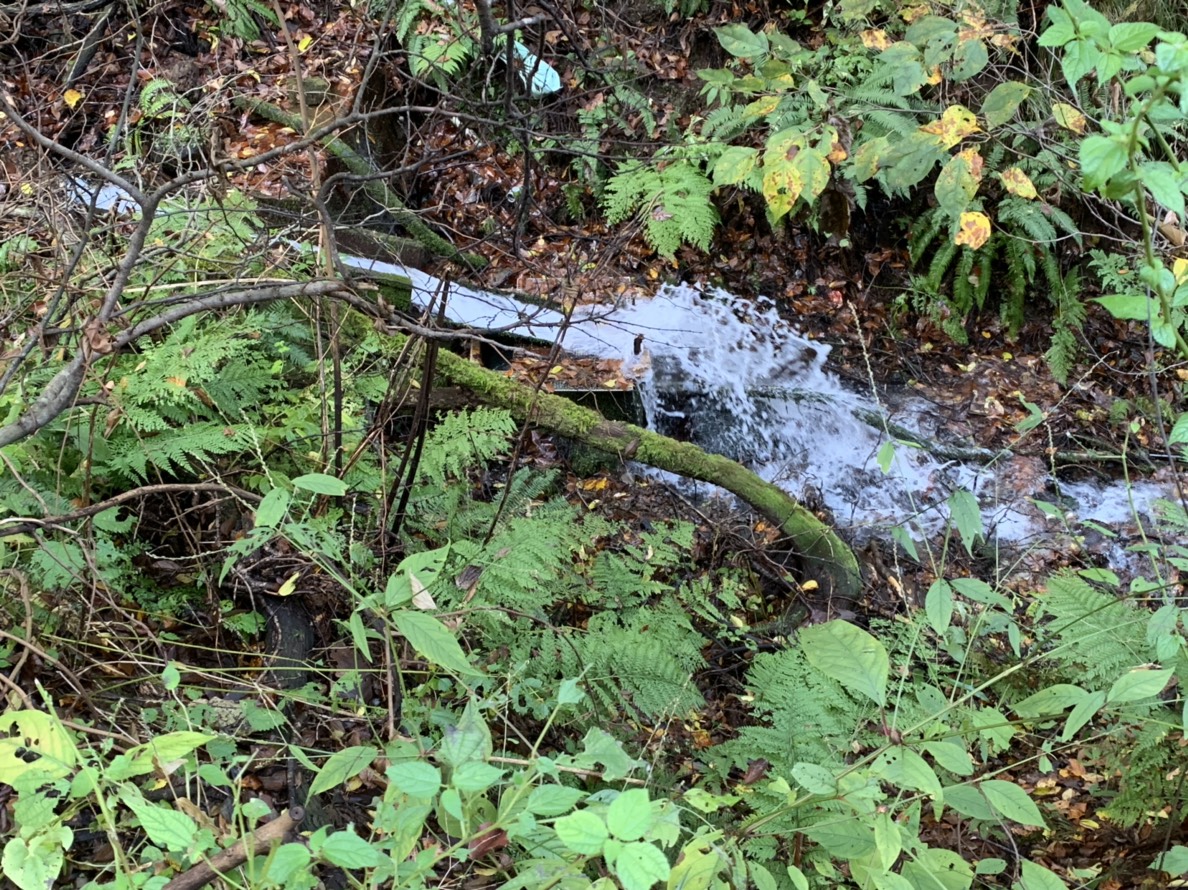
[732, 376]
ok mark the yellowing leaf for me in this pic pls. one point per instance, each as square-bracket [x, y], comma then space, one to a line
[763, 107]
[934, 76]
[72, 97]
[290, 585]
[303, 43]
[954, 125]
[176, 381]
[611, 384]
[1180, 269]
[974, 230]
[1069, 118]
[875, 38]
[1018, 183]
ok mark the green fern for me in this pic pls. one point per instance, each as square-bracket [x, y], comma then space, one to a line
[673, 202]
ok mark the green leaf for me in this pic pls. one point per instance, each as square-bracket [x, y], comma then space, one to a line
[1062, 30]
[815, 779]
[630, 815]
[705, 802]
[849, 655]
[1129, 37]
[1179, 432]
[147, 758]
[415, 778]
[955, 186]
[937, 869]
[1050, 701]
[320, 483]
[1002, 103]
[1138, 684]
[967, 516]
[1174, 861]
[968, 801]
[1137, 307]
[698, 865]
[434, 641]
[843, 838]
[1102, 158]
[1011, 802]
[273, 509]
[741, 42]
[798, 878]
[639, 866]
[1165, 185]
[343, 765]
[288, 863]
[950, 756]
[165, 827]
[734, 165]
[36, 863]
[938, 605]
[347, 850]
[904, 768]
[469, 739]
[553, 800]
[582, 832]
[1082, 713]
[1036, 877]
[474, 776]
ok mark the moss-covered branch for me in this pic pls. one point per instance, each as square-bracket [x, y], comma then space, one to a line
[377, 189]
[828, 560]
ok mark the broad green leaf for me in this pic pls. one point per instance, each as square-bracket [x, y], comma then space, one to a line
[347, 850]
[904, 768]
[741, 42]
[1137, 307]
[35, 863]
[582, 832]
[343, 765]
[980, 592]
[553, 800]
[171, 676]
[1080, 58]
[967, 516]
[1174, 861]
[1129, 37]
[951, 756]
[798, 878]
[287, 863]
[630, 815]
[938, 605]
[1082, 713]
[734, 165]
[1012, 802]
[991, 866]
[705, 802]
[1062, 29]
[1102, 158]
[968, 801]
[849, 655]
[273, 508]
[475, 776]
[320, 483]
[639, 866]
[34, 741]
[842, 837]
[697, 866]
[1003, 101]
[468, 739]
[415, 778]
[901, 536]
[164, 826]
[815, 779]
[936, 869]
[888, 841]
[1137, 684]
[146, 758]
[760, 877]
[1164, 184]
[1179, 432]
[434, 641]
[1050, 701]
[600, 747]
[1036, 877]
[955, 186]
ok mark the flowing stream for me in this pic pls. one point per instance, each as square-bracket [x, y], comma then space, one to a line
[732, 376]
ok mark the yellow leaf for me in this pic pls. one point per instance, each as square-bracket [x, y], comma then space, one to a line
[303, 43]
[1180, 270]
[289, 586]
[1018, 183]
[176, 381]
[612, 383]
[72, 97]
[1069, 117]
[875, 38]
[974, 230]
[556, 370]
[954, 125]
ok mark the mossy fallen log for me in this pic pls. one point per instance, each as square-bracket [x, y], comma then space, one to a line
[828, 560]
[376, 188]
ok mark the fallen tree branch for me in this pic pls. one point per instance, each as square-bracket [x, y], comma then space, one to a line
[236, 855]
[828, 560]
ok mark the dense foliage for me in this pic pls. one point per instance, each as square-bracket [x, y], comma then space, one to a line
[523, 685]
